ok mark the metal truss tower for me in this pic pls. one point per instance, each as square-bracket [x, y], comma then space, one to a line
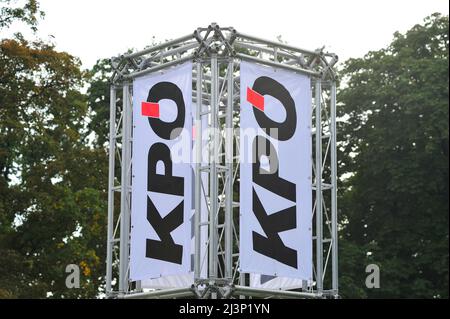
[216, 52]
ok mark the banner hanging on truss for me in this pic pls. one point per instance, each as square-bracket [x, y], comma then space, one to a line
[186, 280]
[275, 173]
[162, 174]
[277, 283]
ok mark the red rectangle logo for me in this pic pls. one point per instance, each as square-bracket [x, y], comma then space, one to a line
[256, 99]
[150, 109]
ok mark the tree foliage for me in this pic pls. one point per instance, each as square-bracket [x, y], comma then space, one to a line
[28, 13]
[395, 150]
[52, 180]
[393, 156]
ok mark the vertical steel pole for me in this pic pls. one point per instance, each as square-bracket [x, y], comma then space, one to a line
[319, 223]
[124, 188]
[334, 220]
[229, 176]
[112, 151]
[213, 168]
[198, 180]
[242, 283]
[138, 287]
[128, 183]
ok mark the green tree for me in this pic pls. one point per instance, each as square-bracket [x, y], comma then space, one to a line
[98, 96]
[52, 180]
[395, 203]
[28, 13]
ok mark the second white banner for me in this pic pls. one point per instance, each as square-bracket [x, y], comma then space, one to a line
[275, 173]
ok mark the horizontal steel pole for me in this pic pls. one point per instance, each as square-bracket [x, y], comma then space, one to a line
[223, 99]
[166, 293]
[276, 64]
[275, 44]
[165, 296]
[207, 77]
[247, 291]
[204, 94]
[205, 101]
[188, 46]
[244, 45]
[159, 46]
[159, 67]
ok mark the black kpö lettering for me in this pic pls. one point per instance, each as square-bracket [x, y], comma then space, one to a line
[272, 245]
[167, 90]
[268, 86]
[162, 183]
[165, 248]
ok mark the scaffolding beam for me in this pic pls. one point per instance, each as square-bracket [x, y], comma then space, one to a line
[216, 53]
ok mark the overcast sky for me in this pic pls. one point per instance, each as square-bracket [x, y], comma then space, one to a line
[93, 29]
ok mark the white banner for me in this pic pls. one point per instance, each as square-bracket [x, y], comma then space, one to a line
[282, 283]
[275, 173]
[186, 280]
[162, 174]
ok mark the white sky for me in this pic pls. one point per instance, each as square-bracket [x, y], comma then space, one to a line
[93, 29]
